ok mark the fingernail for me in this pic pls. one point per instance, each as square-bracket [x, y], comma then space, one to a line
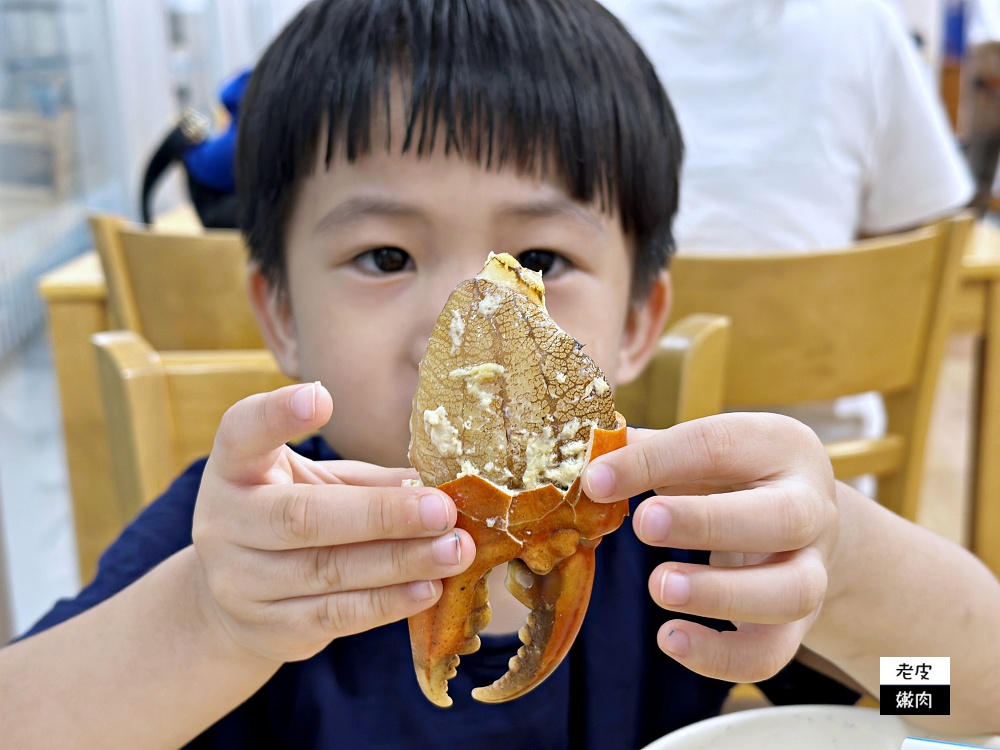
[601, 480]
[677, 643]
[304, 402]
[447, 550]
[422, 590]
[654, 524]
[675, 588]
[434, 512]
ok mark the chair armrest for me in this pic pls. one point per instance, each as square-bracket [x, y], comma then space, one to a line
[163, 408]
[137, 409]
[203, 384]
[685, 379]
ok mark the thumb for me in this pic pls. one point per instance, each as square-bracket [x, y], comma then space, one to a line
[253, 431]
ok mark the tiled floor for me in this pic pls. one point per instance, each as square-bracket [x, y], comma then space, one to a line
[38, 518]
[41, 553]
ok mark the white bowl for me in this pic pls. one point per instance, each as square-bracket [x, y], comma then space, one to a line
[807, 727]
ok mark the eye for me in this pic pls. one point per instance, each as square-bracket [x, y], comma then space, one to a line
[548, 263]
[384, 260]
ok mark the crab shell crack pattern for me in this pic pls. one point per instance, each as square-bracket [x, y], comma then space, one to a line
[510, 396]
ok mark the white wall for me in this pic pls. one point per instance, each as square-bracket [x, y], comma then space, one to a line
[139, 54]
[283, 10]
[229, 33]
[238, 31]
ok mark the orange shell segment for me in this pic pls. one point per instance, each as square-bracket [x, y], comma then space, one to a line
[554, 533]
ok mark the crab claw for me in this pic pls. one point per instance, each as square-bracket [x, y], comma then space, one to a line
[450, 628]
[558, 602]
[547, 537]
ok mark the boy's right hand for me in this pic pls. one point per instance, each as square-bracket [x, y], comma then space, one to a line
[296, 552]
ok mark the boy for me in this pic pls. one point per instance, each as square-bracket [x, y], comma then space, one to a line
[386, 147]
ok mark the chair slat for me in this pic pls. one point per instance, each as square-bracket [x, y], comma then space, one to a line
[817, 325]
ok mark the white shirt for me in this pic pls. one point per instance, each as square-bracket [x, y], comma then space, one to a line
[806, 122]
[984, 22]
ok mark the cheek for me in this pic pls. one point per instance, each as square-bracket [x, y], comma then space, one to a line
[359, 360]
[599, 327]
[352, 354]
[606, 348]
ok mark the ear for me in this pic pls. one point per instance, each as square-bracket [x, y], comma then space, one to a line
[273, 311]
[643, 329]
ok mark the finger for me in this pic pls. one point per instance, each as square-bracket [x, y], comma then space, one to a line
[302, 515]
[785, 515]
[271, 576]
[337, 615]
[726, 450]
[786, 588]
[750, 653]
[342, 471]
[253, 431]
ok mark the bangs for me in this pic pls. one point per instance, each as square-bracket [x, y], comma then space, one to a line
[555, 88]
[476, 83]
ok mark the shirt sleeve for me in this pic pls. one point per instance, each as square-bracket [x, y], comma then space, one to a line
[162, 529]
[916, 173]
[798, 684]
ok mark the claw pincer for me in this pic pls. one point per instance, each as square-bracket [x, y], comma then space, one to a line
[507, 413]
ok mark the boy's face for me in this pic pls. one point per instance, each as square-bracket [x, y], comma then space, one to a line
[374, 248]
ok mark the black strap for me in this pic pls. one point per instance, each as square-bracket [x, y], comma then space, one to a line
[190, 131]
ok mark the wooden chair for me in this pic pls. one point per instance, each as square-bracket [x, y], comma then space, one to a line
[684, 380]
[179, 291]
[815, 326]
[163, 408]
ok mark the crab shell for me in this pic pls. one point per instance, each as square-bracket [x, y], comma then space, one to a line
[507, 399]
[547, 537]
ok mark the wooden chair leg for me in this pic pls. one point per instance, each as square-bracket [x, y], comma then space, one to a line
[985, 515]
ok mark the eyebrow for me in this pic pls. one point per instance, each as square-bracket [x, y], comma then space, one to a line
[558, 208]
[356, 209]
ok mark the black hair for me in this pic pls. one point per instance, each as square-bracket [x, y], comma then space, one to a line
[532, 84]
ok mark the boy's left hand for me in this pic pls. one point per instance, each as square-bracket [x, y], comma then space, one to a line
[757, 490]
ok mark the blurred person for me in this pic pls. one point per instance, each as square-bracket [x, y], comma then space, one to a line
[807, 124]
[208, 161]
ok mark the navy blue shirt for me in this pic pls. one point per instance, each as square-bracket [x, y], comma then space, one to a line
[614, 690]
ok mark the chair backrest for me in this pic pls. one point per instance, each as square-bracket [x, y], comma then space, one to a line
[684, 379]
[180, 291]
[818, 325]
[163, 408]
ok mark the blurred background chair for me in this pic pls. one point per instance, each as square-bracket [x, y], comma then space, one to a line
[163, 408]
[180, 291]
[684, 380]
[816, 326]
[188, 348]
[179, 288]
